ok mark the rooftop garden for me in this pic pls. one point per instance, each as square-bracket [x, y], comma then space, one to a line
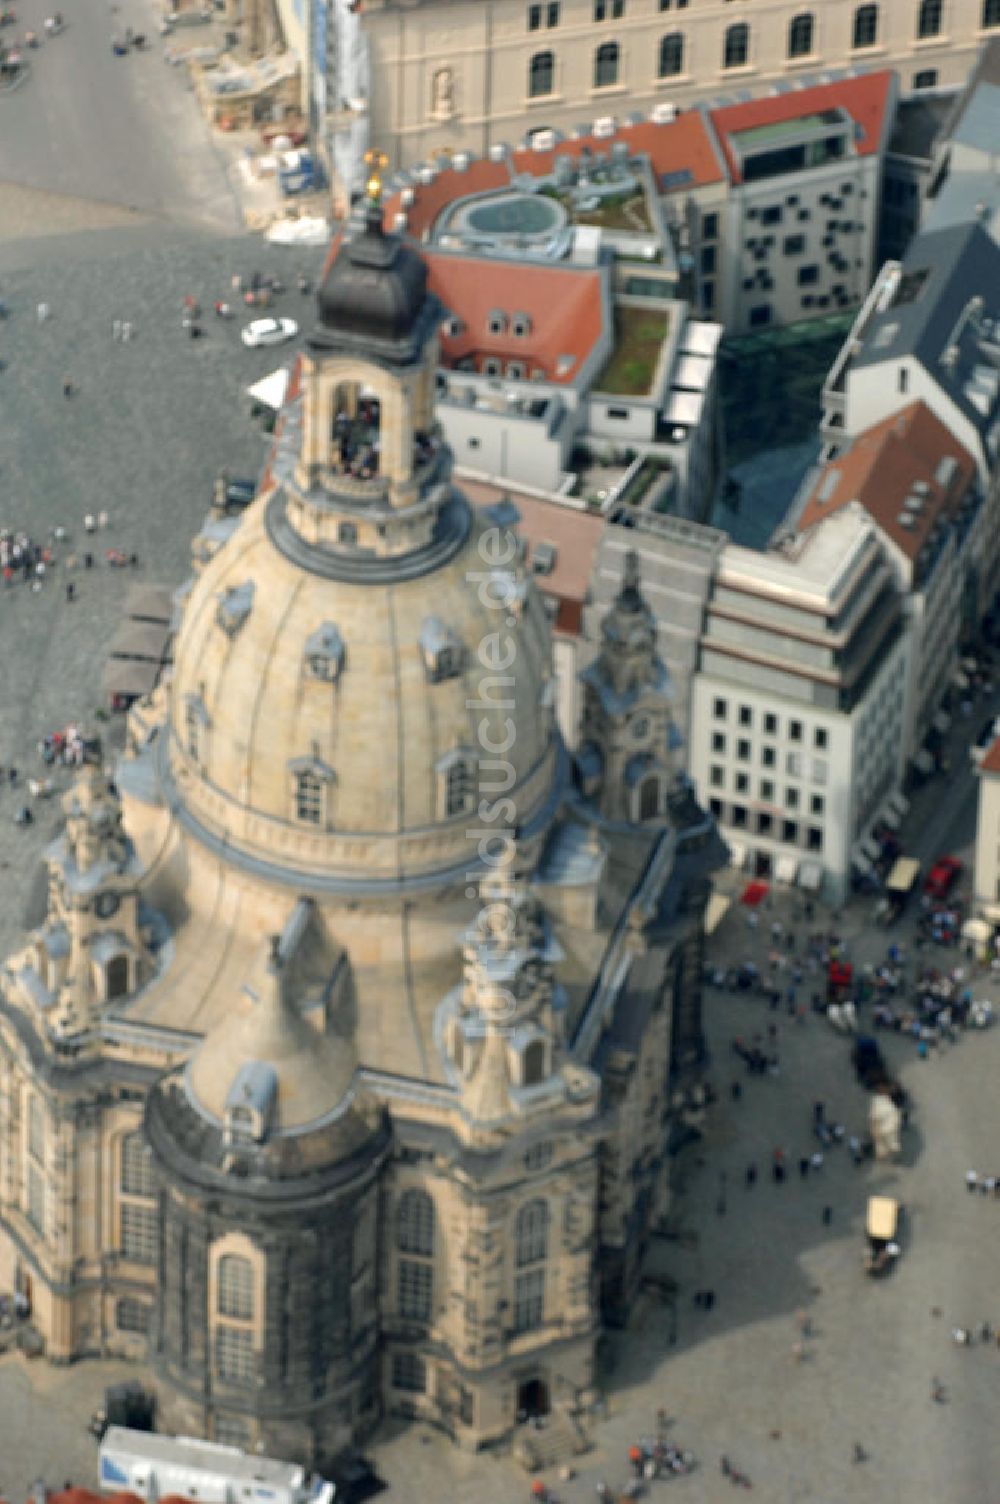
[639, 336]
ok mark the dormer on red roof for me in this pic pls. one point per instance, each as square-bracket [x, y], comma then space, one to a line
[907, 472]
[866, 100]
[551, 315]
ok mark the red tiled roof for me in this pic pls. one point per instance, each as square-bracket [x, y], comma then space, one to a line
[880, 470]
[683, 145]
[564, 305]
[991, 762]
[866, 99]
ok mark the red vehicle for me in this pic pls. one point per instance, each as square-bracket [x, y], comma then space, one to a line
[942, 877]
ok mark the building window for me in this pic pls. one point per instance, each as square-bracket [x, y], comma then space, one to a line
[793, 764]
[541, 76]
[746, 715]
[789, 831]
[529, 1300]
[760, 315]
[991, 14]
[459, 787]
[308, 799]
[792, 798]
[552, 13]
[132, 1315]
[929, 18]
[531, 1237]
[794, 245]
[415, 1223]
[709, 227]
[795, 731]
[926, 79]
[192, 730]
[739, 816]
[715, 805]
[605, 10]
[821, 738]
[814, 840]
[717, 776]
[770, 724]
[800, 36]
[415, 1289]
[234, 1287]
[606, 60]
[768, 757]
[743, 750]
[138, 1228]
[534, 17]
[719, 709]
[767, 790]
[817, 804]
[808, 276]
[719, 742]
[136, 1168]
[707, 295]
[409, 1372]
[671, 55]
[736, 46]
[865, 26]
[234, 1355]
[35, 1167]
[742, 783]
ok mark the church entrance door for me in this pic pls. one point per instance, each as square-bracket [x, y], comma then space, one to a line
[533, 1398]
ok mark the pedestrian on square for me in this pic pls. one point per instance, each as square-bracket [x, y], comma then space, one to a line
[116, 330]
[127, 332]
[860, 1455]
[751, 1175]
[819, 1112]
[736, 1090]
[804, 1166]
[827, 1215]
[42, 312]
[816, 1161]
[68, 388]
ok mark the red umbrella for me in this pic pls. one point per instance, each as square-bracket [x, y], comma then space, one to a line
[754, 892]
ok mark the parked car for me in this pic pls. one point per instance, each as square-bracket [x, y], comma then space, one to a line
[942, 877]
[269, 332]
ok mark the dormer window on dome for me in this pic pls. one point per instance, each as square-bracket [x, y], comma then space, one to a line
[234, 607]
[324, 653]
[441, 649]
[250, 1103]
[312, 781]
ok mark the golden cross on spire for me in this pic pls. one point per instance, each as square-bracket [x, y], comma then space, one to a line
[376, 161]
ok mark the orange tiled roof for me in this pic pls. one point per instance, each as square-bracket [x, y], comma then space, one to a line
[880, 470]
[865, 99]
[991, 762]
[564, 305]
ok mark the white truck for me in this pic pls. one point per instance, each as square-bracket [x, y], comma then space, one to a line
[154, 1467]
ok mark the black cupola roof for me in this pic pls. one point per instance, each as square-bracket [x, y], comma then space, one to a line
[375, 293]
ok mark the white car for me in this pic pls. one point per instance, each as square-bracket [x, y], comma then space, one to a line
[269, 332]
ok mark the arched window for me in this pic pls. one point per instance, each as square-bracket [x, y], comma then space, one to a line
[116, 976]
[671, 55]
[534, 1062]
[234, 1287]
[606, 61]
[459, 792]
[800, 35]
[929, 18]
[650, 807]
[541, 74]
[531, 1239]
[35, 1165]
[736, 47]
[991, 14]
[136, 1170]
[531, 1236]
[865, 26]
[415, 1239]
[415, 1223]
[138, 1223]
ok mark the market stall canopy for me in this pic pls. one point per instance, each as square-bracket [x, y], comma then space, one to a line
[141, 639]
[905, 871]
[149, 603]
[883, 1215]
[715, 912]
[129, 678]
[270, 390]
[978, 931]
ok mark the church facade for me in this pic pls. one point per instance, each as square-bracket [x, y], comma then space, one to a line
[338, 1079]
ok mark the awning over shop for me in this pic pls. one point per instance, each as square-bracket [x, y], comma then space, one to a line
[786, 869]
[942, 722]
[270, 390]
[715, 912]
[754, 892]
[140, 639]
[978, 931]
[150, 603]
[811, 876]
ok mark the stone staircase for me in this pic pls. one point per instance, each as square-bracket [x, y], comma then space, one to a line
[560, 1438]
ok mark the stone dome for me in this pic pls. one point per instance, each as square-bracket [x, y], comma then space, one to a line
[407, 702]
[375, 288]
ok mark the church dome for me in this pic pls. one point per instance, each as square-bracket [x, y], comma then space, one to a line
[359, 728]
[376, 287]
